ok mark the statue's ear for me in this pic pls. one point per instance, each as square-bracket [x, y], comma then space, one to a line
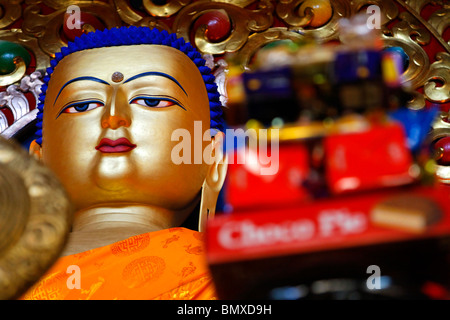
[35, 150]
[214, 180]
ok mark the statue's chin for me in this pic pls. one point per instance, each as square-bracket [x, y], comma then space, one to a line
[112, 173]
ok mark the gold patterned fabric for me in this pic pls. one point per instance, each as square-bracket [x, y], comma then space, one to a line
[166, 264]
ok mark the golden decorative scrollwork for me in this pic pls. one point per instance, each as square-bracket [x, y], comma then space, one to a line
[388, 9]
[30, 43]
[417, 5]
[440, 20]
[409, 35]
[417, 102]
[414, 7]
[166, 10]
[10, 11]
[155, 11]
[243, 22]
[16, 75]
[47, 28]
[286, 10]
[258, 40]
[63, 4]
[440, 72]
[328, 31]
[126, 13]
[239, 3]
[36, 218]
[132, 18]
[152, 22]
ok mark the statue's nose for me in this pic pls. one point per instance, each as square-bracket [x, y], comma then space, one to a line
[115, 121]
[117, 112]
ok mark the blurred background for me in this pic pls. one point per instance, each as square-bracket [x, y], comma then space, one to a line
[337, 134]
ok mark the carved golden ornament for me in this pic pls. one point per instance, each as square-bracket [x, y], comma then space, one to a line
[440, 20]
[325, 31]
[152, 22]
[286, 11]
[388, 8]
[30, 43]
[239, 3]
[61, 4]
[16, 75]
[302, 13]
[10, 11]
[440, 73]
[414, 7]
[417, 102]
[243, 22]
[257, 40]
[436, 81]
[417, 5]
[35, 219]
[47, 28]
[166, 10]
[409, 35]
[126, 13]
[440, 129]
[129, 16]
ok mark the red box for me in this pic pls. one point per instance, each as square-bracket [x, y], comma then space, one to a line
[376, 158]
[246, 188]
[328, 224]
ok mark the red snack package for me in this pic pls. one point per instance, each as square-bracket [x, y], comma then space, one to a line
[247, 188]
[372, 159]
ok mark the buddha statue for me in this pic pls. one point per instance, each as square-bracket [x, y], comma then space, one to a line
[110, 103]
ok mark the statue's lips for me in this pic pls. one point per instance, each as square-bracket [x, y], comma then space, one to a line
[115, 146]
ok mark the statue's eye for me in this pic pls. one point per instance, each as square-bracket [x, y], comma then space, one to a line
[82, 106]
[153, 102]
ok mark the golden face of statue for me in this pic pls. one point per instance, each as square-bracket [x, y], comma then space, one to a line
[108, 121]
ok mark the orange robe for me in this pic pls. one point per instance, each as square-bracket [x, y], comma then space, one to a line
[166, 264]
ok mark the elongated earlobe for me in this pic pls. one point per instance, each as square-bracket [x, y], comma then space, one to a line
[35, 150]
[214, 180]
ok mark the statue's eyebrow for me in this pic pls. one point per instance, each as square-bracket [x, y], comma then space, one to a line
[80, 79]
[155, 73]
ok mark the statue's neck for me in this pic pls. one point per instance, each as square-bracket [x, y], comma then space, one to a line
[124, 216]
[101, 226]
